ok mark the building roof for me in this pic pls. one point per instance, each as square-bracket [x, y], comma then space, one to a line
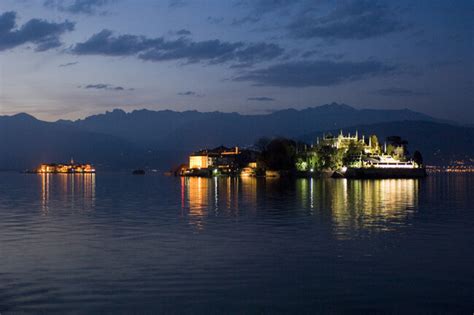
[216, 151]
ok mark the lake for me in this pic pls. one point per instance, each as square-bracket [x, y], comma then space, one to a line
[117, 243]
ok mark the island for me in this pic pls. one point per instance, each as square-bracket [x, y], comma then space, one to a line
[65, 168]
[347, 156]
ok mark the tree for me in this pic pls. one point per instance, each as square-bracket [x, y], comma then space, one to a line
[302, 163]
[262, 144]
[418, 158]
[307, 159]
[374, 144]
[280, 154]
[390, 149]
[395, 140]
[315, 161]
[355, 149]
[398, 142]
[329, 157]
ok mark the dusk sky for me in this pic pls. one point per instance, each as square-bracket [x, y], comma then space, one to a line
[66, 59]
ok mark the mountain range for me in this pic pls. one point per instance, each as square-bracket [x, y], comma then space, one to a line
[192, 130]
[160, 139]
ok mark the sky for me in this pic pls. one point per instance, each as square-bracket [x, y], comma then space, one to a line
[67, 59]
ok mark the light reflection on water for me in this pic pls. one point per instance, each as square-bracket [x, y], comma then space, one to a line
[77, 191]
[110, 243]
[352, 204]
[355, 204]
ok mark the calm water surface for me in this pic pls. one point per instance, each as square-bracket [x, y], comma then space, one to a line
[118, 243]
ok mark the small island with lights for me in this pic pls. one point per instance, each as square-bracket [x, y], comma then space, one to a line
[346, 156]
[65, 168]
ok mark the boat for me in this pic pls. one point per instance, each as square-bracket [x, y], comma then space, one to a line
[385, 173]
[383, 166]
[248, 171]
[138, 172]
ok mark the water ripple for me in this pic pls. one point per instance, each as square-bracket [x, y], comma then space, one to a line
[115, 243]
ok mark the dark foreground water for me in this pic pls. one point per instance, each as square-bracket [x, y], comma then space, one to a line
[118, 243]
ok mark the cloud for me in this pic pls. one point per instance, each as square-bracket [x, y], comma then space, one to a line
[322, 55]
[215, 20]
[43, 34]
[68, 64]
[214, 51]
[103, 43]
[183, 32]
[314, 73]
[306, 19]
[190, 93]
[356, 19]
[244, 20]
[177, 3]
[261, 99]
[77, 6]
[394, 91]
[241, 65]
[260, 8]
[103, 86]
[183, 49]
[310, 53]
[259, 52]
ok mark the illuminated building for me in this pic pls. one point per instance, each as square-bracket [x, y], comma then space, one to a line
[218, 157]
[249, 170]
[199, 161]
[220, 160]
[341, 141]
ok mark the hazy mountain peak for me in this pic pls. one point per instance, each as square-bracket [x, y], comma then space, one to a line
[23, 117]
[337, 106]
[332, 107]
[64, 121]
[116, 112]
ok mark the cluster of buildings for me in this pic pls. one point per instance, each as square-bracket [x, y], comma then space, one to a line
[450, 169]
[370, 153]
[222, 161]
[361, 158]
[340, 155]
[68, 168]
